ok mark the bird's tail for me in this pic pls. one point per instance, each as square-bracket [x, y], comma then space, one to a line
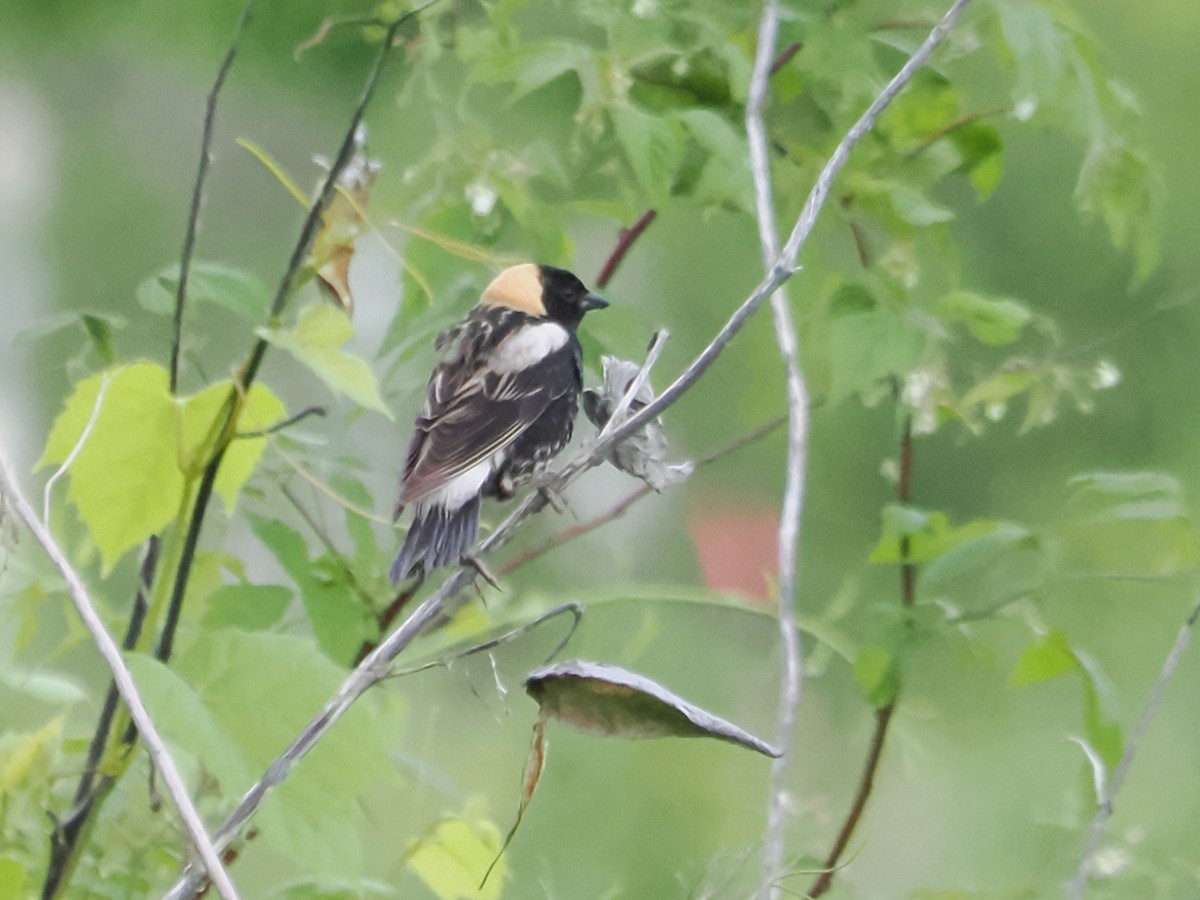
[437, 537]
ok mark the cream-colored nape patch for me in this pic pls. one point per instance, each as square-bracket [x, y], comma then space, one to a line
[518, 287]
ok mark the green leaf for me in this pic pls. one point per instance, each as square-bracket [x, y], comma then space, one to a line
[260, 410]
[316, 343]
[29, 756]
[653, 147]
[128, 478]
[1119, 185]
[913, 207]
[1049, 658]
[250, 607]
[1036, 44]
[725, 177]
[13, 882]
[992, 321]
[990, 565]
[258, 691]
[100, 329]
[453, 855]
[1133, 524]
[125, 480]
[609, 700]
[338, 619]
[929, 533]
[876, 672]
[229, 288]
[868, 349]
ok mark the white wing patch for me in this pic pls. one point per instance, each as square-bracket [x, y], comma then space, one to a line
[527, 346]
[461, 488]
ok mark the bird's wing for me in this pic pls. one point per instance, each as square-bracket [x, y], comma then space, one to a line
[466, 420]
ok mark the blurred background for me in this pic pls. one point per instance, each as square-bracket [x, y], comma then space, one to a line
[101, 108]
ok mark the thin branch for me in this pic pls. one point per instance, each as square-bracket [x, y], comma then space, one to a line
[111, 653]
[1104, 807]
[285, 424]
[622, 506]
[619, 411]
[442, 601]
[785, 56]
[883, 715]
[788, 538]
[625, 240]
[193, 222]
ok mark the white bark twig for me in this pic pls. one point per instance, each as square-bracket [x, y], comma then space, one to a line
[790, 682]
[1104, 804]
[108, 648]
[375, 666]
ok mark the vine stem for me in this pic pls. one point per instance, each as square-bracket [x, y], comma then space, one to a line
[157, 748]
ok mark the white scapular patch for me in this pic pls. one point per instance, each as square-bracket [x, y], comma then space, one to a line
[527, 347]
[461, 488]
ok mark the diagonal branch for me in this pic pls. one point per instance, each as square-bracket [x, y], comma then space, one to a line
[163, 762]
[193, 222]
[797, 454]
[444, 599]
[1104, 808]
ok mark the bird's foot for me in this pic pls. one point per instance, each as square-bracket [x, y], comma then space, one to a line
[483, 571]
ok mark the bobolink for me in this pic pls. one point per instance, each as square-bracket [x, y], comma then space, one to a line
[499, 406]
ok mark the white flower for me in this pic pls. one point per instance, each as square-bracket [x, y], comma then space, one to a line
[1106, 375]
[482, 197]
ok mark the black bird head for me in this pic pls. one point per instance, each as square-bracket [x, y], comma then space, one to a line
[543, 291]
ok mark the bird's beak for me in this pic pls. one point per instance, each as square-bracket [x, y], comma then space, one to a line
[593, 301]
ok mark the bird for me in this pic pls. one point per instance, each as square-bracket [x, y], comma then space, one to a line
[500, 405]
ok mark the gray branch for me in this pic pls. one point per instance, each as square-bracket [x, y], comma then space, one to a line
[122, 678]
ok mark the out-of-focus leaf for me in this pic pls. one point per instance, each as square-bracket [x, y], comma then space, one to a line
[208, 282]
[1047, 659]
[258, 691]
[876, 672]
[13, 884]
[316, 343]
[1128, 523]
[867, 349]
[990, 565]
[929, 533]
[26, 755]
[913, 207]
[990, 320]
[1052, 656]
[337, 616]
[1036, 44]
[453, 855]
[250, 607]
[653, 147]
[609, 700]
[1119, 185]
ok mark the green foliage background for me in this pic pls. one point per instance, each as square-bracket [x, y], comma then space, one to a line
[1050, 230]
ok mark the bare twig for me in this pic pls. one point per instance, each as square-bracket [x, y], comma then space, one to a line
[1104, 804]
[193, 222]
[442, 601]
[883, 717]
[788, 538]
[618, 414]
[111, 653]
[625, 240]
[618, 509]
